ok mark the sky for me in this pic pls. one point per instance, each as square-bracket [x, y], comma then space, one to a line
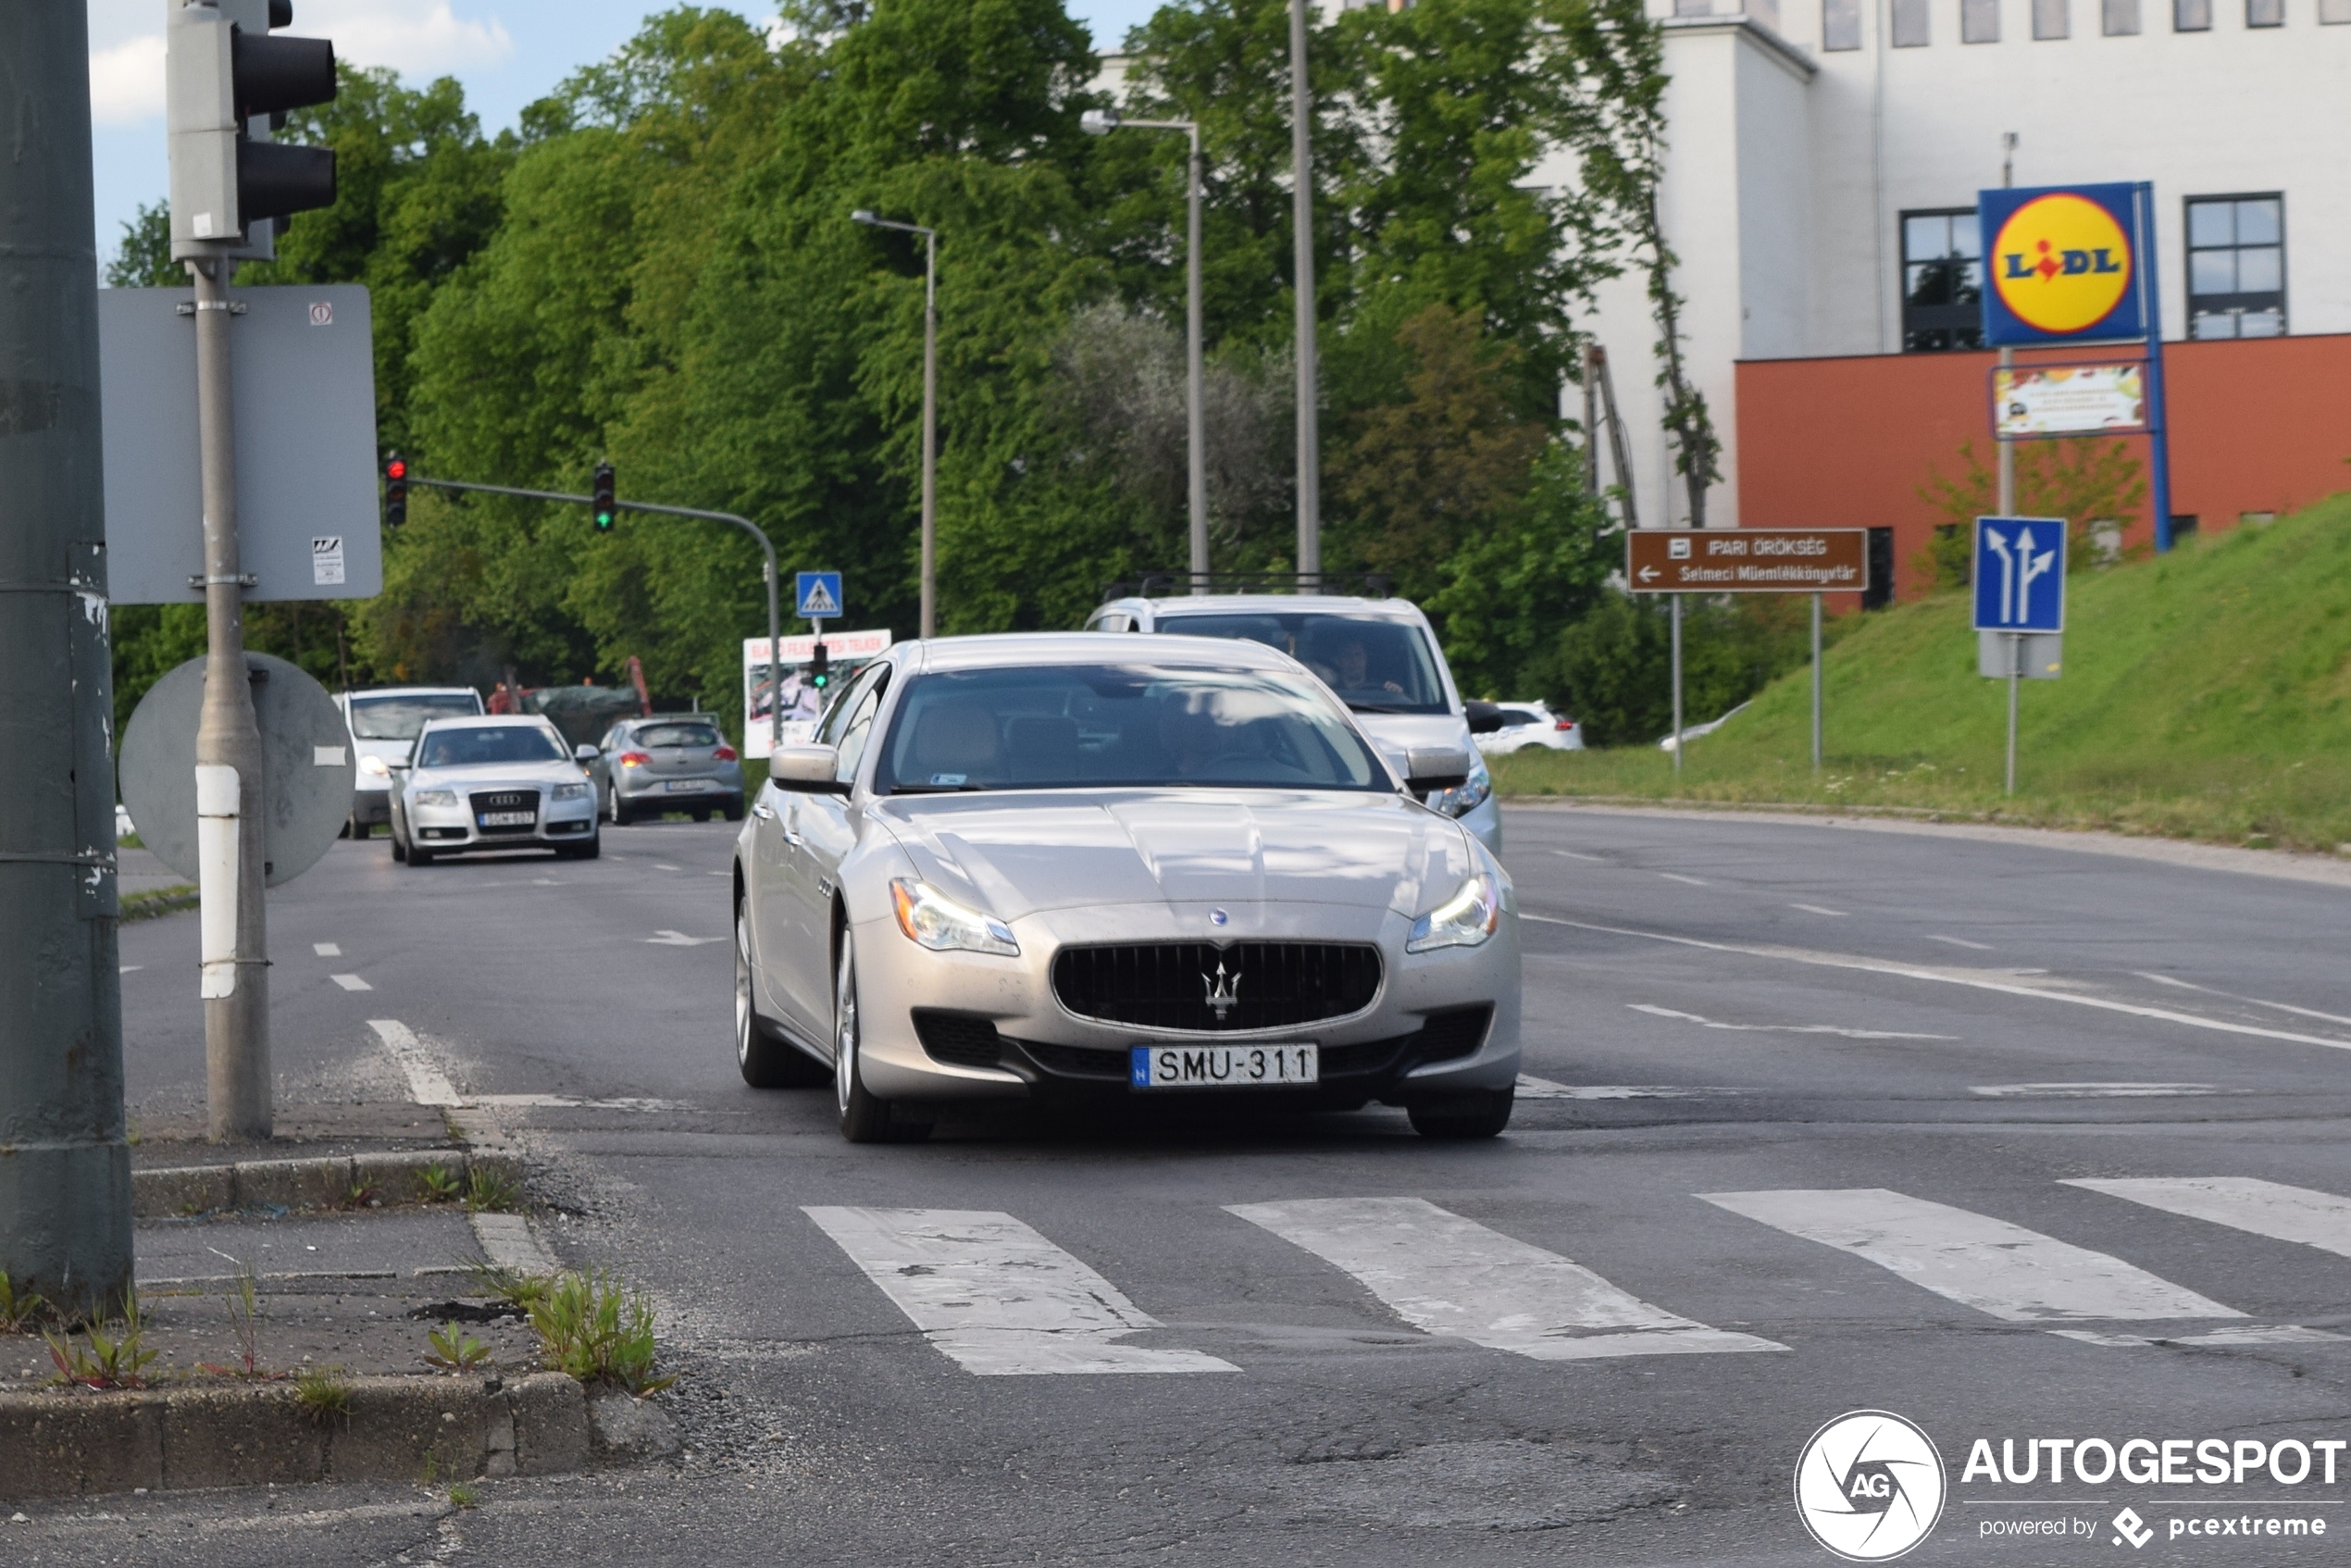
[507, 53]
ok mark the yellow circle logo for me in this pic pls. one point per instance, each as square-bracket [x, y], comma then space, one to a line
[2062, 263]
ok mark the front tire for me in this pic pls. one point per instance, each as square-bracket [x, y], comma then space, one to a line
[619, 815]
[588, 851]
[864, 1116]
[1480, 1112]
[765, 1061]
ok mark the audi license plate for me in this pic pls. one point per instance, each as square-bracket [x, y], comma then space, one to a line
[1223, 1067]
[507, 818]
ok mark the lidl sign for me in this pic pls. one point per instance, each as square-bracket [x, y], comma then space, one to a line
[2062, 265]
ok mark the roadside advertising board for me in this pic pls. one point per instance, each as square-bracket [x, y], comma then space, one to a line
[845, 653]
[2067, 399]
[1747, 560]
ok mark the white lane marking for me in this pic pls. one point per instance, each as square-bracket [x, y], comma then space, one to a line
[1818, 909]
[1544, 1089]
[2279, 1006]
[2265, 1208]
[2285, 1334]
[659, 867]
[998, 1297]
[1677, 876]
[351, 982]
[1958, 942]
[1979, 979]
[326, 949]
[511, 1243]
[427, 1085]
[1975, 1259]
[718, 874]
[1657, 1012]
[131, 968]
[1452, 1275]
[679, 939]
[2091, 1091]
[572, 1101]
[546, 882]
[1578, 854]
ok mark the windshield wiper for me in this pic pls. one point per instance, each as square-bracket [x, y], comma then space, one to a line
[936, 788]
[1379, 708]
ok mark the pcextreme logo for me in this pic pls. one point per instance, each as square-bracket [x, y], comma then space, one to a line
[2062, 263]
[1869, 1486]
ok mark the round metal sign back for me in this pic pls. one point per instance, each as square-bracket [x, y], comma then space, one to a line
[307, 774]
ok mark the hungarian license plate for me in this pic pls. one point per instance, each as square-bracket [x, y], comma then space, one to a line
[507, 818]
[686, 786]
[1223, 1067]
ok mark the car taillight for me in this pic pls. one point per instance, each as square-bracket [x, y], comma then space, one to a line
[635, 759]
[1565, 724]
[723, 753]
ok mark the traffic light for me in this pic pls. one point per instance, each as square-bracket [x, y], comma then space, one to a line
[820, 669]
[395, 491]
[221, 74]
[607, 508]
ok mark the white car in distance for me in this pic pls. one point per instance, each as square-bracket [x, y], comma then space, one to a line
[1531, 727]
[503, 782]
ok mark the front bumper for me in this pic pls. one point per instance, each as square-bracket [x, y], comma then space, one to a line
[451, 829]
[371, 808]
[971, 1025]
[715, 789]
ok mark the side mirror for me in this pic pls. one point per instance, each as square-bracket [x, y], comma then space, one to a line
[1485, 719]
[585, 753]
[809, 769]
[1430, 768]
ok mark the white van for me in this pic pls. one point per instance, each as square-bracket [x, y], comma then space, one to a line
[384, 725]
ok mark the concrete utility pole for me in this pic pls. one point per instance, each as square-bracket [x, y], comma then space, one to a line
[65, 1181]
[1310, 443]
[931, 406]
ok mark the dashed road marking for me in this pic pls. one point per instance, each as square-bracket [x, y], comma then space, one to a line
[659, 867]
[2265, 1208]
[326, 949]
[1452, 1275]
[427, 1085]
[1578, 854]
[2093, 1091]
[1677, 876]
[351, 982]
[1819, 909]
[1958, 942]
[997, 1296]
[131, 968]
[2231, 996]
[1657, 1012]
[1544, 1089]
[679, 939]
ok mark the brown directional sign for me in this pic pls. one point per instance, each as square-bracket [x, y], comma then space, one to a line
[1747, 560]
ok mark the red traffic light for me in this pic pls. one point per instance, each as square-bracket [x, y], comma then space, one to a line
[396, 469]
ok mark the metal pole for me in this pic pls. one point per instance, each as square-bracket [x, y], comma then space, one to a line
[1816, 683]
[65, 1177]
[1310, 455]
[930, 432]
[2016, 670]
[1591, 423]
[1195, 374]
[236, 955]
[2159, 414]
[2007, 507]
[1677, 685]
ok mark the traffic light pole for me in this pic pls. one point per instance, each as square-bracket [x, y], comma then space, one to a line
[65, 1166]
[766, 548]
[230, 846]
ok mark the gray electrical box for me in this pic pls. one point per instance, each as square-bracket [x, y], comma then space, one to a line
[303, 375]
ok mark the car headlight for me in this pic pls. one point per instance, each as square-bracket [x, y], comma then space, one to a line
[1466, 797]
[375, 766]
[569, 792]
[435, 797]
[932, 919]
[1464, 920]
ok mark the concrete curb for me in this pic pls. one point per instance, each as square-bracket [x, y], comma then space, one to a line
[300, 1184]
[413, 1429]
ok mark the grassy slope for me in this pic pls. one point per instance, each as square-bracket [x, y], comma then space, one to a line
[2206, 694]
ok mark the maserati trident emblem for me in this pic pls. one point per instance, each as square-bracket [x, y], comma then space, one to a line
[1224, 990]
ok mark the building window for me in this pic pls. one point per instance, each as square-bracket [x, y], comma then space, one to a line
[1942, 282]
[1841, 24]
[2265, 13]
[2119, 19]
[2236, 267]
[1979, 21]
[2192, 15]
[2051, 19]
[1693, 8]
[1909, 24]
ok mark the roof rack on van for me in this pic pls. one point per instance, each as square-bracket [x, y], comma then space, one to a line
[1158, 585]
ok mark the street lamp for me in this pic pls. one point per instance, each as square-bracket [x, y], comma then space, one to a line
[1102, 123]
[930, 405]
[1310, 445]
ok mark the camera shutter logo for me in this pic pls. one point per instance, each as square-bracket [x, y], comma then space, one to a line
[1870, 1486]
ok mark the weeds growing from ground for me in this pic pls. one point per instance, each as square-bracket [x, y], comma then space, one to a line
[244, 1322]
[455, 1349]
[465, 1495]
[363, 1195]
[323, 1393]
[20, 1310]
[102, 1359]
[439, 1184]
[490, 1191]
[525, 1290]
[598, 1331]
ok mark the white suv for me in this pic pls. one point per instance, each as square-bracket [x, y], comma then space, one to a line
[1380, 655]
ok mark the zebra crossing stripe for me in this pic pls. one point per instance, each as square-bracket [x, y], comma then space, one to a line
[1979, 1262]
[1452, 1275]
[998, 1297]
[2265, 1208]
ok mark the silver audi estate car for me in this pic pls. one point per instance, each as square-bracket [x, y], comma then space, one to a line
[494, 783]
[1074, 867]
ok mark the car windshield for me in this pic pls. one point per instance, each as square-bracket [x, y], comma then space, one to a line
[1106, 726]
[701, 735]
[1377, 666]
[404, 718]
[472, 747]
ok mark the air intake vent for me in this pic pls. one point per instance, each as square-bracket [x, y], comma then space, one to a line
[958, 1038]
[1201, 987]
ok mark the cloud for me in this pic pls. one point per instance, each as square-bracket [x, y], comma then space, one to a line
[126, 76]
[126, 80]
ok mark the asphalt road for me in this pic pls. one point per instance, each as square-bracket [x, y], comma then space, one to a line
[1812, 1105]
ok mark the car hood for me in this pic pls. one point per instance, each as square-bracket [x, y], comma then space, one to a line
[1396, 734]
[497, 776]
[1019, 856]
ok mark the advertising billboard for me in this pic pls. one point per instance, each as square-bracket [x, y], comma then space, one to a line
[2063, 265]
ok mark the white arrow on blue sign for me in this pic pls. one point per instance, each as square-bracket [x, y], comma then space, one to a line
[818, 594]
[2020, 574]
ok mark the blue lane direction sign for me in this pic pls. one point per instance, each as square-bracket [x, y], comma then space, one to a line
[818, 595]
[2020, 574]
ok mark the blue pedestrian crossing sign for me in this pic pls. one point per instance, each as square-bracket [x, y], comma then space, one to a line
[818, 594]
[2020, 574]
